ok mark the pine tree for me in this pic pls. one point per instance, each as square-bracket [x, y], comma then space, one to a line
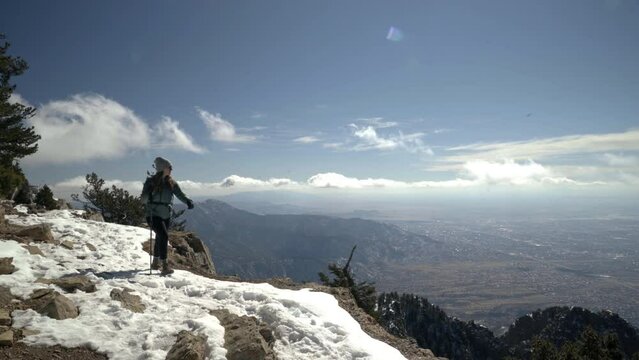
[44, 197]
[363, 292]
[16, 139]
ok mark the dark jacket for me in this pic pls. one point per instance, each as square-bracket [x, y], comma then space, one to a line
[159, 203]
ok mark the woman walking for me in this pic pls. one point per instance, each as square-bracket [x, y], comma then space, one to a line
[157, 196]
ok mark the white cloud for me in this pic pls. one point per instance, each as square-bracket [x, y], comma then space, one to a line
[378, 122]
[17, 98]
[169, 135]
[621, 160]
[367, 138]
[80, 181]
[239, 181]
[306, 140]
[222, 130]
[505, 172]
[86, 127]
[543, 148]
[90, 126]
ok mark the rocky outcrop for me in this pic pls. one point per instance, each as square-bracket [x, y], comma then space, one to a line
[128, 300]
[188, 252]
[37, 233]
[188, 346]
[6, 266]
[52, 304]
[71, 283]
[245, 338]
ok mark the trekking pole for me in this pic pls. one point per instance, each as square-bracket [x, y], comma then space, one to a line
[150, 248]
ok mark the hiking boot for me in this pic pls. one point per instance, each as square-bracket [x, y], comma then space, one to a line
[155, 265]
[166, 270]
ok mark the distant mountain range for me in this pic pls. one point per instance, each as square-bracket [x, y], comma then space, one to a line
[299, 246]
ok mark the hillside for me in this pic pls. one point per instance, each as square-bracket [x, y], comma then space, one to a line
[299, 246]
[413, 316]
[117, 309]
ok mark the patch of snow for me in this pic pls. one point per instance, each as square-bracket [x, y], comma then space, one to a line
[306, 324]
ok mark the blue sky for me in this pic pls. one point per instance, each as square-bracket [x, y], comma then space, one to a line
[306, 95]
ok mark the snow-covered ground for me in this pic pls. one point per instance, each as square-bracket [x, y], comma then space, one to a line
[307, 325]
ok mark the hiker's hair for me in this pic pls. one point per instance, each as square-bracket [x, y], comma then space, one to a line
[158, 178]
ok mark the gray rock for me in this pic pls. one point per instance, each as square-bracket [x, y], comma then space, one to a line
[5, 296]
[91, 247]
[94, 216]
[62, 204]
[52, 304]
[129, 301]
[34, 250]
[67, 244]
[71, 283]
[6, 267]
[245, 338]
[5, 318]
[38, 233]
[188, 346]
[6, 338]
[188, 251]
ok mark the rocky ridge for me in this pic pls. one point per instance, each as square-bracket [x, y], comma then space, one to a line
[248, 337]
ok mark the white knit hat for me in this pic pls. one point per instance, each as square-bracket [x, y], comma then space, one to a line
[161, 163]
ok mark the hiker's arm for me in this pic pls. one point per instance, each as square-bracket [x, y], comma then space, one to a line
[180, 195]
[146, 192]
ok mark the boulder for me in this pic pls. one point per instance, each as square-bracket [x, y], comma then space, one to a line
[6, 338]
[67, 244]
[6, 267]
[245, 338]
[62, 205]
[52, 304]
[5, 318]
[190, 251]
[93, 216]
[129, 301]
[38, 233]
[91, 247]
[71, 283]
[188, 346]
[34, 250]
[5, 296]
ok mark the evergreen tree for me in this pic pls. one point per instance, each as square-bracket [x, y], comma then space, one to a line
[16, 139]
[591, 345]
[115, 204]
[363, 292]
[44, 197]
[544, 350]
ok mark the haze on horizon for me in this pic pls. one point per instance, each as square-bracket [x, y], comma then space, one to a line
[375, 103]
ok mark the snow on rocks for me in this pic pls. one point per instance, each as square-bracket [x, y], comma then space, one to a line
[305, 324]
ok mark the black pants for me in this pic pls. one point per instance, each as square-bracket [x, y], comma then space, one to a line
[160, 227]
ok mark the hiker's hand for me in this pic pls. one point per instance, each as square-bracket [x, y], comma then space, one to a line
[190, 205]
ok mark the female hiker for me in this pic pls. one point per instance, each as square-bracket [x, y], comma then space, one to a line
[157, 196]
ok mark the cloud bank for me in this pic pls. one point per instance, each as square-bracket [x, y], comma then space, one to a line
[475, 174]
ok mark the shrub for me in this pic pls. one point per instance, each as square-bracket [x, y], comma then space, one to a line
[44, 198]
[115, 204]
